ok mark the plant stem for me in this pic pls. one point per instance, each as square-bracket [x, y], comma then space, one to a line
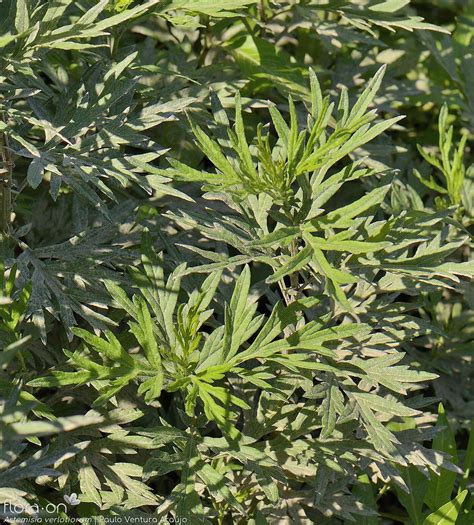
[393, 517]
[5, 185]
[290, 294]
[262, 16]
[205, 37]
[294, 276]
[261, 10]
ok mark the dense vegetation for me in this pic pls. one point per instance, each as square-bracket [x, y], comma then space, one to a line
[236, 268]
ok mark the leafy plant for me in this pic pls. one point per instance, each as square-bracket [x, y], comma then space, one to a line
[235, 275]
[452, 169]
[186, 350]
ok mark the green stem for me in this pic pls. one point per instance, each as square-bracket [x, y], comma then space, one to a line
[294, 276]
[5, 185]
[262, 16]
[382, 491]
[206, 44]
[393, 517]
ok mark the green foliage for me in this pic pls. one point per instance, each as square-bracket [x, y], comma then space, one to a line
[236, 266]
[448, 513]
[453, 170]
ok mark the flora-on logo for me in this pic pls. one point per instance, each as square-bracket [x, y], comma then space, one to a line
[72, 499]
[51, 508]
